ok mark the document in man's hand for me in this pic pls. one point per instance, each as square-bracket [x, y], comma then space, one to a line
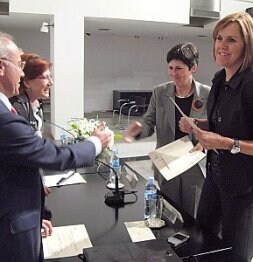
[173, 159]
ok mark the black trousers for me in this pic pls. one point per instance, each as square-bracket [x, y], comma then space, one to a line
[232, 217]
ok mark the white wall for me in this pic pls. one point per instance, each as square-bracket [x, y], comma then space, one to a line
[152, 10]
[119, 63]
[232, 6]
[142, 66]
[33, 41]
[113, 62]
[67, 43]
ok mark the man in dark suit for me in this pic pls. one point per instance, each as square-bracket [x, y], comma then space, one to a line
[21, 155]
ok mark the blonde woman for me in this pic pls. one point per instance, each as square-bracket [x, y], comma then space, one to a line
[226, 204]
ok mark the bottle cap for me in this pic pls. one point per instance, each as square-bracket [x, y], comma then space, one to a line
[151, 178]
[115, 150]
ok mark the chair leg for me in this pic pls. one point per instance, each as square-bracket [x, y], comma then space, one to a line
[120, 111]
[113, 112]
[129, 112]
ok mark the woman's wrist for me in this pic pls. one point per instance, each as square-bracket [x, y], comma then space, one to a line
[195, 121]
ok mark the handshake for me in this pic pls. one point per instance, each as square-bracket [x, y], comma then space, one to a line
[105, 135]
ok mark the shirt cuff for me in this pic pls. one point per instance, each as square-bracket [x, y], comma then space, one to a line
[96, 141]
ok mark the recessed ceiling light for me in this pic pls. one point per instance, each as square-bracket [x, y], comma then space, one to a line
[201, 35]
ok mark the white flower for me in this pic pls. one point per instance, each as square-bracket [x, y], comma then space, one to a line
[83, 128]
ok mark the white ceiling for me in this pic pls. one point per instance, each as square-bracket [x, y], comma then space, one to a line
[141, 28]
[116, 26]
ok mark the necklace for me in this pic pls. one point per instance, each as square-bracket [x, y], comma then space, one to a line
[187, 95]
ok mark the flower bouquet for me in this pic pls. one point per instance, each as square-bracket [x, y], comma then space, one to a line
[83, 128]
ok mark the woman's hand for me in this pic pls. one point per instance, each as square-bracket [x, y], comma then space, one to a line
[132, 131]
[47, 228]
[198, 147]
[210, 140]
[184, 124]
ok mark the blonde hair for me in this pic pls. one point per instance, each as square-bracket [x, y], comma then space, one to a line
[245, 22]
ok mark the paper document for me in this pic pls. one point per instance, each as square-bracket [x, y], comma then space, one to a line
[174, 159]
[139, 231]
[130, 176]
[66, 241]
[51, 181]
[189, 120]
[142, 167]
[171, 213]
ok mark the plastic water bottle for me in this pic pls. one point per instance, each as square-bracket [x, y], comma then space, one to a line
[63, 138]
[150, 192]
[115, 164]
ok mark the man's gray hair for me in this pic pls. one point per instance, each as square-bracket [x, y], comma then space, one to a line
[4, 38]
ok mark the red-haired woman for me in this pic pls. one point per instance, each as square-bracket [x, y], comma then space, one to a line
[34, 86]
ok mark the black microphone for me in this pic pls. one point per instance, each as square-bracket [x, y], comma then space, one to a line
[114, 198]
[60, 127]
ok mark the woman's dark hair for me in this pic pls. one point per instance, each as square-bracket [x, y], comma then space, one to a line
[185, 52]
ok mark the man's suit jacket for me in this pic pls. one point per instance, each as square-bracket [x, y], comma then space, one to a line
[21, 195]
[160, 117]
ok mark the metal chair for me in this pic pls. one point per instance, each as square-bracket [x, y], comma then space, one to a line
[139, 106]
[122, 106]
[119, 101]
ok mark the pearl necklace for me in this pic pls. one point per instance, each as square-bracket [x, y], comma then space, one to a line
[187, 95]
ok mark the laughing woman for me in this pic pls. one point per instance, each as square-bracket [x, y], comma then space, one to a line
[34, 86]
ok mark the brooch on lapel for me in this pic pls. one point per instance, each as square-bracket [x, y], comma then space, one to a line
[197, 104]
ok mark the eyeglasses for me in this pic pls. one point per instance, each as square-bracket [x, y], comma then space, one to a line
[47, 77]
[19, 66]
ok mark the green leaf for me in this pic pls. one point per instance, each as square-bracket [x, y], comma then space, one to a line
[74, 126]
[118, 136]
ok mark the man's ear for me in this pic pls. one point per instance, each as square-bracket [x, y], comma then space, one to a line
[2, 68]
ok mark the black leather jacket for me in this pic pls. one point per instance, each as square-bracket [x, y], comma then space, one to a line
[23, 107]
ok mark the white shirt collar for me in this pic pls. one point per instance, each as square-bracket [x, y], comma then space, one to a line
[5, 100]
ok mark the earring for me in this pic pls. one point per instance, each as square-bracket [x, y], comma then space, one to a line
[197, 105]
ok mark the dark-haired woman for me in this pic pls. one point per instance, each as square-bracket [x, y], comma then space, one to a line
[162, 116]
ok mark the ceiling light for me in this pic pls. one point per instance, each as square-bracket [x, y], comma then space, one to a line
[104, 29]
[45, 27]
